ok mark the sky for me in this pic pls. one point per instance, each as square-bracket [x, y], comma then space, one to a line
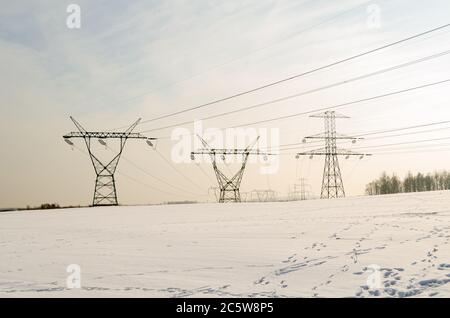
[145, 59]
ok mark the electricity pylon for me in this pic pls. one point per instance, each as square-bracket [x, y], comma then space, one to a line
[268, 195]
[301, 191]
[105, 193]
[228, 186]
[332, 185]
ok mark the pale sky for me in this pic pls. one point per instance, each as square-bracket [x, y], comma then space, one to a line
[133, 59]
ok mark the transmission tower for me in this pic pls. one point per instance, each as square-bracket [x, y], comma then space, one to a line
[228, 186]
[301, 190]
[267, 195]
[332, 185]
[105, 185]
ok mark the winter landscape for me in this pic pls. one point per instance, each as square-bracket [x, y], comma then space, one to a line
[226, 149]
[293, 249]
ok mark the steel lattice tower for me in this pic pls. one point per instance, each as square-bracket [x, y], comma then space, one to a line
[105, 193]
[302, 189]
[228, 186]
[268, 195]
[332, 185]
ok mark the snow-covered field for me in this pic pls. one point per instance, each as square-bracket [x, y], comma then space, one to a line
[298, 249]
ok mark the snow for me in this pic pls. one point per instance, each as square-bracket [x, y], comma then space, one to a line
[317, 248]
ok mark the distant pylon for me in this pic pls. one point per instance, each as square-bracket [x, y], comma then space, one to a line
[105, 184]
[228, 186]
[301, 191]
[267, 195]
[332, 185]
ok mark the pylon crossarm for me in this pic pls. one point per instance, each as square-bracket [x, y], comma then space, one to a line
[312, 152]
[131, 128]
[338, 152]
[329, 114]
[205, 144]
[332, 153]
[78, 125]
[340, 137]
[230, 152]
[250, 146]
[103, 135]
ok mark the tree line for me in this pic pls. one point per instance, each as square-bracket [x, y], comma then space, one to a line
[419, 182]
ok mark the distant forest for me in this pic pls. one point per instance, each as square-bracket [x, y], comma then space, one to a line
[411, 183]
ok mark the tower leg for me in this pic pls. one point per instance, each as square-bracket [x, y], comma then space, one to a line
[105, 191]
[222, 195]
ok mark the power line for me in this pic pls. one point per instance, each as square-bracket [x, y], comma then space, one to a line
[155, 177]
[413, 152]
[297, 75]
[178, 171]
[414, 147]
[285, 98]
[129, 177]
[204, 173]
[345, 104]
[333, 107]
[393, 144]
[403, 128]
[409, 133]
[403, 143]
[246, 55]
[376, 133]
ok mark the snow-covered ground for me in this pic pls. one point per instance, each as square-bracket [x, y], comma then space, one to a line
[298, 249]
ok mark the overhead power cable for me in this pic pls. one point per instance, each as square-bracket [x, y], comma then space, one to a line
[296, 34]
[307, 144]
[132, 178]
[236, 59]
[394, 144]
[290, 78]
[285, 98]
[331, 107]
[413, 151]
[159, 179]
[178, 171]
[402, 143]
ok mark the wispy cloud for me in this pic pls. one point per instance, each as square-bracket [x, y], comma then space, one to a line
[146, 58]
